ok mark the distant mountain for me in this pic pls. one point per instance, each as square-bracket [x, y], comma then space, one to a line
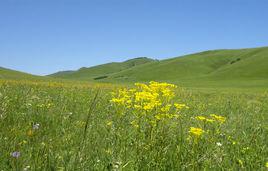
[102, 71]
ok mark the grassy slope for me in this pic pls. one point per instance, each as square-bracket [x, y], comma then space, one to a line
[243, 67]
[101, 70]
[16, 75]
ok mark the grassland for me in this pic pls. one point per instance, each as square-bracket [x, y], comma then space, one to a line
[239, 68]
[71, 126]
[101, 71]
[217, 119]
[238, 64]
[17, 75]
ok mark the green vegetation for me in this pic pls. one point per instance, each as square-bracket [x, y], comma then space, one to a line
[72, 120]
[57, 126]
[235, 68]
[15, 75]
[241, 68]
[218, 68]
[105, 70]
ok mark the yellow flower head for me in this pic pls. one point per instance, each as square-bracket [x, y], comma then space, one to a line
[201, 118]
[109, 123]
[210, 120]
[180, 106]
[221, 119]
[196, 131]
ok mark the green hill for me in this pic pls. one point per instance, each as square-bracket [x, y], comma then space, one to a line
[217, 64]
[101, 71]
[242, 67]
[16, 75]
[236, 68]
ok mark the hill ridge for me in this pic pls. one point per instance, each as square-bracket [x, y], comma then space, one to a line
[6, 73]
[102, 70]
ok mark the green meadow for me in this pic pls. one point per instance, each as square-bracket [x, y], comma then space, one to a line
[62, 126]
[213, 115]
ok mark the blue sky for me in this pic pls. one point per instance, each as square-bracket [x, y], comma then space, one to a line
[45, 36]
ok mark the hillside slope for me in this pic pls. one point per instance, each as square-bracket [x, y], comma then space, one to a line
[17, 75]
[101, 71]
[242, 64]
[225, 68]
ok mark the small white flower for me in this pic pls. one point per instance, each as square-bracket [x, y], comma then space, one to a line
[219, 144]
[26, 168]
[28, 104]
[36, 126]
[117, 165]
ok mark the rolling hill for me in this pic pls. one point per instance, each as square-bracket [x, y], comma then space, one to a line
[17, 75]
[101, 71]
[218, 64]
[217, 67]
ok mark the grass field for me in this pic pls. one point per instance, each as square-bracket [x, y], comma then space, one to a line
[78, 126]
[214, 115]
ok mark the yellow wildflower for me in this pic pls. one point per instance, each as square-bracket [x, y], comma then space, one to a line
[221, 119]
[151, 102]
[196, 131]
[209, 120]
[109, 123]
[160, 116]
[201, 118]
[180, 106]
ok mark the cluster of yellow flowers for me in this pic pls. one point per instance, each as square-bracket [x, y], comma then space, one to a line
[196, 131]
[214, 118]
[153, 100]
[221, 119]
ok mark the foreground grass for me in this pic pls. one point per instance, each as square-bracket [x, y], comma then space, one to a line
[51, 126]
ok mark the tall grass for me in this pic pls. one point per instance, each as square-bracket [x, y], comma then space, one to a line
[57, 127]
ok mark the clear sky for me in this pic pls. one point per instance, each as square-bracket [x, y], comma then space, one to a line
[45, 36]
